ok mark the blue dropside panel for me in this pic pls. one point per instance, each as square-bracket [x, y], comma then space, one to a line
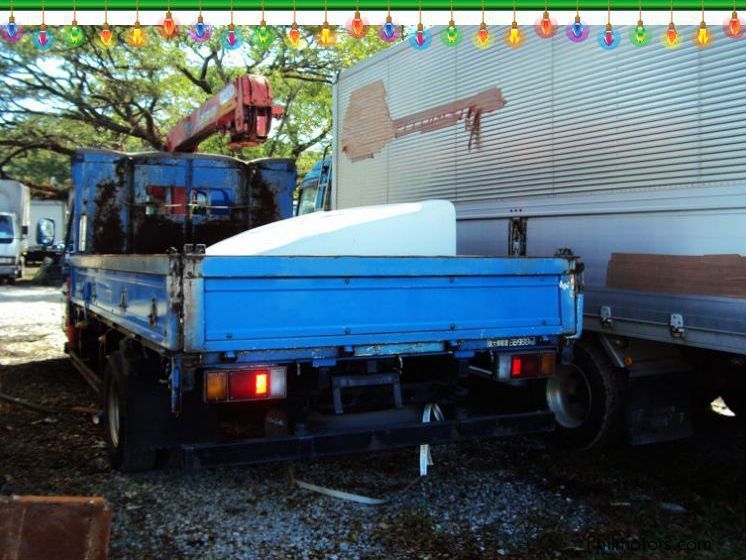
[255, 303]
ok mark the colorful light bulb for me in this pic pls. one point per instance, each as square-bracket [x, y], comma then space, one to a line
[326, 36]
[734, 26]
[168, 28]
[106, 36]
[514, 36]
[357, 27]
[546, 27]
[294, 36]
[608, 39]
[43, 39]
[136, 36]
[74, 35]
[452, 37]
[577, 32]
[388, 33]
[638, 35]
[231, 39]
[11, 31]
[671, 37]
[702, 36]
[200, 32]
[421, 39]
[482, 39]
[263, 35]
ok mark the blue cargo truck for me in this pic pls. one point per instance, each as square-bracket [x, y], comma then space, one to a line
[244, 359]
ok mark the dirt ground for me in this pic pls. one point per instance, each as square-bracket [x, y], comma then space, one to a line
[517, 498]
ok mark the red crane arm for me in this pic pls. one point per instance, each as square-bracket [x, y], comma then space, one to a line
[243, 109]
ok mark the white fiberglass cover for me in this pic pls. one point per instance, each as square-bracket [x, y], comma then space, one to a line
[425, 228]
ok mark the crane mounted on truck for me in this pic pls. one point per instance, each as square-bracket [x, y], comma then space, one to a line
[241, 359]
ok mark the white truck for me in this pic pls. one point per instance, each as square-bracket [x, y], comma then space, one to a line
[48, 220]
[632, 159]
[14, 228]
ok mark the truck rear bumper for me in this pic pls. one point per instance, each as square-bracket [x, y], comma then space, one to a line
[265, 450]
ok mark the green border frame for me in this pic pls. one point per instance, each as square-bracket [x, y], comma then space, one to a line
[349, 5]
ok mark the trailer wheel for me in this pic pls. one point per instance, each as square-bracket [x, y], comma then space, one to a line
[118, 394]
[587, 399]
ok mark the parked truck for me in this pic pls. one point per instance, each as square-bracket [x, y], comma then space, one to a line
[48, 219]
[14, 223]
[633, 159]
[241, 359]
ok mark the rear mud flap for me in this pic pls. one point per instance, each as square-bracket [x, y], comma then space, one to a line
[658, 408]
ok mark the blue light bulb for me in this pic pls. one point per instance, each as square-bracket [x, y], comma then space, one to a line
[577, 29]
[200, 29]
[389, 28]
[12, 28]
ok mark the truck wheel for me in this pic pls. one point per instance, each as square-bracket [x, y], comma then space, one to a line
[587, 400]
[118, 394]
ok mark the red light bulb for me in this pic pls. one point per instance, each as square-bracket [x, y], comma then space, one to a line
[169, 26]
[106, 36]
[357, 25]
[671, 34]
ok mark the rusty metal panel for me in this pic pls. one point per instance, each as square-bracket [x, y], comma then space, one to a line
[60, 528]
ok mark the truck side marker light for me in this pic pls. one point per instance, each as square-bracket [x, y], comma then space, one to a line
[526, 366]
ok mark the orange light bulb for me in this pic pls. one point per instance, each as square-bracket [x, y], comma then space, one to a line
[672, 35]
[294, 35]
[169, 26]
[136, 35]
[106, 36]
[483, 35]
[357, 24]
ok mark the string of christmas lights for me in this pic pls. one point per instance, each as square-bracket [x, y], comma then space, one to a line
[357, 27]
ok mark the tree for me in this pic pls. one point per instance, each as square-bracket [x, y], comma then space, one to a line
[126, 98]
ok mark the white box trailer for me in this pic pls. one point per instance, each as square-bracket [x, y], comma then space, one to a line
[14, 225]
[634, 159]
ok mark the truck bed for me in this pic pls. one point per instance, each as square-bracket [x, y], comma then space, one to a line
[322, 308]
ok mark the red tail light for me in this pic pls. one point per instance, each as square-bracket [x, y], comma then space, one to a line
[523, 366]
[245, 384]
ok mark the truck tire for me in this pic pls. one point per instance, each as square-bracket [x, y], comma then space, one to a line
[119, 391]
[587, 398]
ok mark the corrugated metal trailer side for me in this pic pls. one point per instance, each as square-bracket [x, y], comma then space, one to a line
[619, 154]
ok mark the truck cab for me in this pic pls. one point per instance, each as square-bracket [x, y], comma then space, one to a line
[315, 190]
[11, 263]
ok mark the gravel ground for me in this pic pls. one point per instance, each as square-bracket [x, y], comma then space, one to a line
[512, 498]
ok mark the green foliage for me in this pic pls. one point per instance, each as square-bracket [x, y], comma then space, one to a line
[126, 98]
